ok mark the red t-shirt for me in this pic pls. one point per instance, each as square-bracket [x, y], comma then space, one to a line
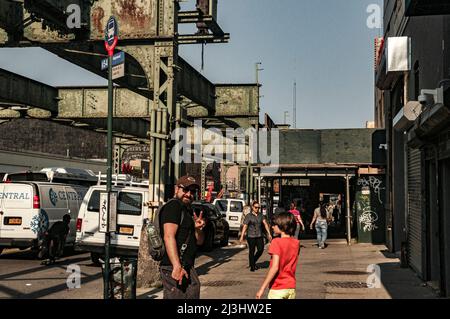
[296, 214]
[288, 250]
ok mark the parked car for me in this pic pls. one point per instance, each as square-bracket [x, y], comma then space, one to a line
[28, 209]
[217, 229]
[131, 212]
[232, 210]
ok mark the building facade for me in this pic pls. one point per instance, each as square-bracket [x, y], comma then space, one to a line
[413, 100]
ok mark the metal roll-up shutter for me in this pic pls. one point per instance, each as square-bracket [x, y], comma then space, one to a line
[415, 210]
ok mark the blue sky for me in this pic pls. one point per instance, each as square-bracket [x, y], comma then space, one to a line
[324, 45]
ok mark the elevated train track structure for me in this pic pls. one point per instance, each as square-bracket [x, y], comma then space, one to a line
[159, 92]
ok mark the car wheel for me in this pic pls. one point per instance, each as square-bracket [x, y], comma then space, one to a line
[209, 241]
[95, 258]
[226, 237]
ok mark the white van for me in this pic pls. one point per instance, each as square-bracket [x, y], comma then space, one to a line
[28, 209]
[232, 209]
[131, 212]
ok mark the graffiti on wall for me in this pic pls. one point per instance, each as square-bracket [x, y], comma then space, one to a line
[374, 183]
[368, 219]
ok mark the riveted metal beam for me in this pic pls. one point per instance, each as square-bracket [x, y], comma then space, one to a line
[92, 103]
[20, 90]
[137, 128]
[89, 55]
[195, 86]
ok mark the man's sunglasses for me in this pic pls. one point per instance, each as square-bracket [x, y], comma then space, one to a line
[257, 206]
[189, 189]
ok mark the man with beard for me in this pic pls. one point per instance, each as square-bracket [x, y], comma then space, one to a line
[182, 231]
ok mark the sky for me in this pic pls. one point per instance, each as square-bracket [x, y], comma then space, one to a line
[325, 46]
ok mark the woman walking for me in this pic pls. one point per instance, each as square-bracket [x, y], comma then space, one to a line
[253, 224]
[321, 219]
[298, 220]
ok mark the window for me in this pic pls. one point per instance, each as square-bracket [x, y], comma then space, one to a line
[236, 206]
[222, 205]
[216, 212]
[129, 204]
[94, 202]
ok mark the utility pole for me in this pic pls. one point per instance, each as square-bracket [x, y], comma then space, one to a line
[250, 179]
[286, 115]
[294, 121]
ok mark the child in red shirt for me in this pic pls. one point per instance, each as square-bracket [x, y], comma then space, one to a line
[284, 251]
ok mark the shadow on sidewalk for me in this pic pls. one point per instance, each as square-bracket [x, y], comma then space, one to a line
[219, 257]
[263, 265]
[403, 283]
[386, 253]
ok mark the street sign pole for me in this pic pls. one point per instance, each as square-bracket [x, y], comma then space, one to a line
[110, 43]
[108, 179]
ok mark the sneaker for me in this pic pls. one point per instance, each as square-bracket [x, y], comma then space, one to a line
[252, 269]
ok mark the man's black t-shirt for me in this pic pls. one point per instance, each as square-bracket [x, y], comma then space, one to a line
[171, 213]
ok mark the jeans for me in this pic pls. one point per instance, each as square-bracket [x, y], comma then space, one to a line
[253, 243]
[321, 229]
[297, 231]
[172, 290]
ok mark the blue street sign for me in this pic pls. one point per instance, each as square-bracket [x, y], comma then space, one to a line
[111, 31]
[118, 58]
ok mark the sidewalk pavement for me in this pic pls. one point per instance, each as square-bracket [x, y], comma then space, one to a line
[337, 272]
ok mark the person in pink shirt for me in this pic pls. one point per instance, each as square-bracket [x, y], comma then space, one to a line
[298, 219]
[284, 251]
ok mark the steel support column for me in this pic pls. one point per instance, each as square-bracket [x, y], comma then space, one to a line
[347, 205]
[165, 103]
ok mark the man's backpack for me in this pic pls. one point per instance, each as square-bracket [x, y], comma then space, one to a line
[155, 241]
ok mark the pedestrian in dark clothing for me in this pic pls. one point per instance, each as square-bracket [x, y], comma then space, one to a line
[253, 224]
[181, 237]
[56, 239]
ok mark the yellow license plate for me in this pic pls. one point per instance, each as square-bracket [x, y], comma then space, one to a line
[14, 221]
[126, 230]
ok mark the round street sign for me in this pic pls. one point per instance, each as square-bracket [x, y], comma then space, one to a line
[111, 35]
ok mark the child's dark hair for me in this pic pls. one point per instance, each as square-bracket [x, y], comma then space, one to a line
[286, 222]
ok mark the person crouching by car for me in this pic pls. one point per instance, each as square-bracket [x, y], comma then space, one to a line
[56, 239]
[181, 237]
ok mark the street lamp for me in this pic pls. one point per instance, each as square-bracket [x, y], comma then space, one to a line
[286, 115]
[249, 175]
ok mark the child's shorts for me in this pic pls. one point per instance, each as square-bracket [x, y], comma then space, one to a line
[281, 294]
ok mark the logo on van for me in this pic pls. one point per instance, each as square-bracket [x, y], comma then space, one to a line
[53, 196]
[39, 223]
